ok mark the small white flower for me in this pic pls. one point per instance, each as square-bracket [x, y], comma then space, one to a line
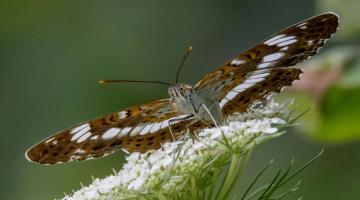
[137, 183]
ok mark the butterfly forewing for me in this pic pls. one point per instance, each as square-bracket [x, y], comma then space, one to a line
[264, 68]
[139, 128]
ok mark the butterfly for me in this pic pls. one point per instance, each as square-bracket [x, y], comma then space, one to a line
[229, 89]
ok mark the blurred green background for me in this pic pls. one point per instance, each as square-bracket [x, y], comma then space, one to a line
[53, 52]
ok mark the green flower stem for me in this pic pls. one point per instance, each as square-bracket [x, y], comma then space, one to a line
[236, 167]
[193, 188]
[160, 196]
[241, 168]
[213, 184]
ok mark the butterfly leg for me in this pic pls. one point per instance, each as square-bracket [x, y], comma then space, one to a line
[194, 136]
[190, 133]
[210, 115]
[174, 120]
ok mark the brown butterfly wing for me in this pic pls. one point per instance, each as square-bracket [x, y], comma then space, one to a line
[275, 80]
[136, 129]
[235, 85]
[264, 68]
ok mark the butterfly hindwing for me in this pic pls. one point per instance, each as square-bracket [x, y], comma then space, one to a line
[256, 87]
[265, 68]
[139, 128]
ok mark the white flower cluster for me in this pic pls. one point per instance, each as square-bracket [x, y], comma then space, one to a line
[169, 168]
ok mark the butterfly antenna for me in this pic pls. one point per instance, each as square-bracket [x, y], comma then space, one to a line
[132, 81]
[188, 52]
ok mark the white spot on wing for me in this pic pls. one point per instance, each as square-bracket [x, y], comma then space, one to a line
[146, 129]
[262, 75]
[254, 77]
[260, 71]
[280, 40]
[232, 94]
[252, 81]
[179, 117]
[94, 137]
[272, 57]
[112, 132]
[122, 114]
[80, 133]
[79, 151]
[284, 48]
[274, 38]
[125, 131]
[265, 65]
[310, 42]
[155, 127]
[237, 61]
[136, 130]
[223, 102]
[241, 87]
[303, 27]
[83, 137]
[173, 120]
[76, 129]
[164, 124]
[286, 43]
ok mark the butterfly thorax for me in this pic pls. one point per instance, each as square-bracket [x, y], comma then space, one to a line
[186, 100]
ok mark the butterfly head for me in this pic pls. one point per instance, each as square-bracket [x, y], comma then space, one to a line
[180, 94]
[180, 90]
